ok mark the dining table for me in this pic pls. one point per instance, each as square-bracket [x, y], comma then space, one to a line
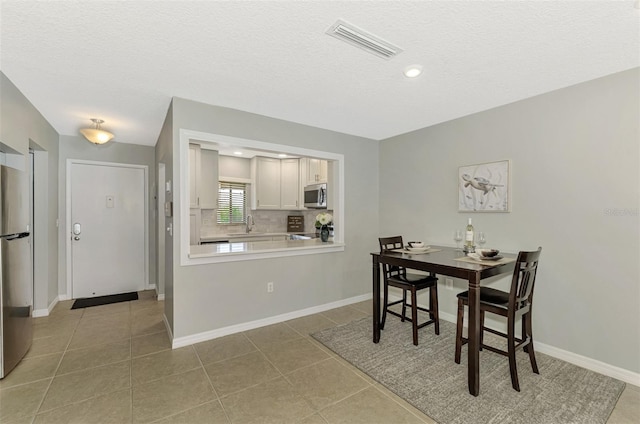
[451, 262]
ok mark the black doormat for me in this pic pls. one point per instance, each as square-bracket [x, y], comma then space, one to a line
[104, 300]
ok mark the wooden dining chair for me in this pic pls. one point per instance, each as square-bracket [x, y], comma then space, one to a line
[399, 277]
[517, 303]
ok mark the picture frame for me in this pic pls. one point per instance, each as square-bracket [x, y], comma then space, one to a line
[485, 187]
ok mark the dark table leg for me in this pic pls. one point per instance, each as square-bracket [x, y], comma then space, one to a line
[376, 300]
[474, 335]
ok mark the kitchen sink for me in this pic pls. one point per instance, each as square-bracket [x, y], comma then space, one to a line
[299, 237]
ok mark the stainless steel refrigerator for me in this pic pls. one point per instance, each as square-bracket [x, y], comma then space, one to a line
[16, 290]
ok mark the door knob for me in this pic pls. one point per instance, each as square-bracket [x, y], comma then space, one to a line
[76, 238]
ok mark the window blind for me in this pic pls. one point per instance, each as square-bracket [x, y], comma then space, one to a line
[232, 202]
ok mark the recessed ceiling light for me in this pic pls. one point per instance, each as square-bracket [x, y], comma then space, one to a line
[282, 155]
[238, 153]
[413, 71]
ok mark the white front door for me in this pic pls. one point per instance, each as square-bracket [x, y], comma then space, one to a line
[107, 229]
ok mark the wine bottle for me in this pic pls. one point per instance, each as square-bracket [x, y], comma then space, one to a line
[468, 243]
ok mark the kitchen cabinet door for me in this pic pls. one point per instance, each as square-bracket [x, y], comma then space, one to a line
[266, 183]
[316, 171]
[194, 175]
[208, 184]
[290, 184]
[194, 226]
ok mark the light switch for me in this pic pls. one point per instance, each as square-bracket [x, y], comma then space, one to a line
[110, 201]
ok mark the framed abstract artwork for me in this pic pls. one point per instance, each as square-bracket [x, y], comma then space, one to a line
[484, 187]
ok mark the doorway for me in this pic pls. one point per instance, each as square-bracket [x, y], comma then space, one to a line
[107, 227]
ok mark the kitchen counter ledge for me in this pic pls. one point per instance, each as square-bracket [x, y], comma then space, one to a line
[230, 236]
[242, 251]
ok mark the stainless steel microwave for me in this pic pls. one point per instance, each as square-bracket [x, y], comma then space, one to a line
[315, 196]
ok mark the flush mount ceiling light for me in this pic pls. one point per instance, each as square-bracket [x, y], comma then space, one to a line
[96, 135]
[413, 71]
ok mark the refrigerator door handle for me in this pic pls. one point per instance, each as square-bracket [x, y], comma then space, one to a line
[15, 235]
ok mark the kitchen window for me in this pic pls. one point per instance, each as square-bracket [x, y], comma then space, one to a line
[232, 202]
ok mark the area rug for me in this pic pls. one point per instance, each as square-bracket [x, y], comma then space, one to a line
[427, 377]
[104, 300]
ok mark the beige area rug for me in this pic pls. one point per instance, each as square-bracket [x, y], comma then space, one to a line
[427, 377]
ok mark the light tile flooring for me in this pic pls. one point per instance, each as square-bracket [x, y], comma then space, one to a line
[113, 364]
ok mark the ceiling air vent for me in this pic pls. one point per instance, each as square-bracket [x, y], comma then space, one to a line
[355, 36]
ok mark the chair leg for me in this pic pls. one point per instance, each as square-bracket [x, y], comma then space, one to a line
[384, 305]
[404, 305]
[459, 330]
[530, 350]
[524, 333]
[481, 328]
[511, 351]
[414, 315]
[433, 300]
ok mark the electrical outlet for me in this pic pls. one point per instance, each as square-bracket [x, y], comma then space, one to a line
[448, 283]
[270, 287]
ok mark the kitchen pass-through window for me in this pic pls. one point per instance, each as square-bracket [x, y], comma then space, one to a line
[232, 202]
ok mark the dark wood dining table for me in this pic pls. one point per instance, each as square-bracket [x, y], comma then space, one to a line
[443, 262]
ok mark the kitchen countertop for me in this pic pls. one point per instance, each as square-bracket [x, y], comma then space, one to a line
[241, 248]
[231, 236]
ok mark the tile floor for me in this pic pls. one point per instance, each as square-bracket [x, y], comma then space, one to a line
[113, 364]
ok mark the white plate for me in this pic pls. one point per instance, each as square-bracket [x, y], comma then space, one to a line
[417, 249]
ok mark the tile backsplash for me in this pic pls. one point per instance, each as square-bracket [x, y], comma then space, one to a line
[265, 222]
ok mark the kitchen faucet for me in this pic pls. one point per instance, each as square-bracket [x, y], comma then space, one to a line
[250, 223]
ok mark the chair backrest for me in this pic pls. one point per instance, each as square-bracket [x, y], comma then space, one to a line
[391, 243]
[524, 278]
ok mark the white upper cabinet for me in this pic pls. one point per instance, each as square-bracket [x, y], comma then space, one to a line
[265, 175]
[194, 175]
[203, 177]
[276, 183]
[316, 171]
[290, 184]
[208, 186]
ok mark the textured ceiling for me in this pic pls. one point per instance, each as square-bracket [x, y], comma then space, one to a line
[123, 61]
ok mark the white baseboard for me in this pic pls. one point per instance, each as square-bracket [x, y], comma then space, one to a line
[225, 331]
[590, 364]
[37, 313]
[159, 296]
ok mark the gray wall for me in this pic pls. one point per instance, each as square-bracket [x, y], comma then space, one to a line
[77, 147]
[21, 127]
[164, 155]
[574, 175]
[208, 297]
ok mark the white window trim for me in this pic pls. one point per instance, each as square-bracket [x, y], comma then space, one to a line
[181, 174]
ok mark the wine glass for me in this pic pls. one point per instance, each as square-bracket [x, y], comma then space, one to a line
[481, 238]
[457, 236]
